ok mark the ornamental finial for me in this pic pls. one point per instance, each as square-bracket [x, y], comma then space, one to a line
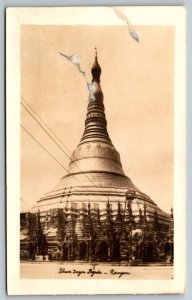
[96, 69]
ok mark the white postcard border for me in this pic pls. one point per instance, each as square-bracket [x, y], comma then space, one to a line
[93, 16]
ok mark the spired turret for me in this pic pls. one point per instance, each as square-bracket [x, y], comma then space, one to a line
[96, 176]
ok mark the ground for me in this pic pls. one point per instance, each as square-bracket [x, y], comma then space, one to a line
[59, 270]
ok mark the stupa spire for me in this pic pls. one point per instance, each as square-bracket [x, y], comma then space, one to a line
[95, 123]
[95, 151]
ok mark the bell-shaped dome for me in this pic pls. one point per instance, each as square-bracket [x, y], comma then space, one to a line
[95, 163]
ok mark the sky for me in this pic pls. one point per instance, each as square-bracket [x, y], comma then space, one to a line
[137, 81]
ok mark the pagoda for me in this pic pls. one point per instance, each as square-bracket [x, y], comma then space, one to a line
[92, 211]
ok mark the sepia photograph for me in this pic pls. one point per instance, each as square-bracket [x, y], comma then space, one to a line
[94, 122]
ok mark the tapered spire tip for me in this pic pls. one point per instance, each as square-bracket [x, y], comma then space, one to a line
[96, 69]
